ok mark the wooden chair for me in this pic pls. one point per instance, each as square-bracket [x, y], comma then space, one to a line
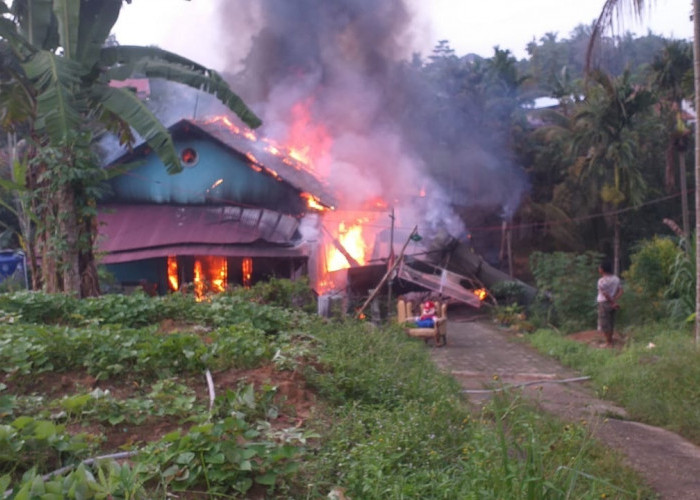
[406, 317]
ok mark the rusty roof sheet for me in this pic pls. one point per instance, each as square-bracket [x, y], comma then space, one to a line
[125, 228]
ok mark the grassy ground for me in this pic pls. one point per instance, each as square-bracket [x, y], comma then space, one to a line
[303, 406]
[656, 376]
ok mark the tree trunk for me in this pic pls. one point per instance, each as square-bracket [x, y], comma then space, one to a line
[669, 178]
[684, 197]
[69, 229]
[616, 244]
[696, 72]
[26, 229]
[89, 281]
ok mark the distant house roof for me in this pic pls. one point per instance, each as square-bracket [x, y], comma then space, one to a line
[141, 86]
[543, 102]
[134, 232]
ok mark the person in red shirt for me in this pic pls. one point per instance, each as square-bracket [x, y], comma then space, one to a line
[427, 317]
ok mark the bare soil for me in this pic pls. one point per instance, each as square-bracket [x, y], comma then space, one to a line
[483, 356]
[293, 398]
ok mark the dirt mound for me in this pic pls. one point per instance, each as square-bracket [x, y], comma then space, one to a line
[596, 339]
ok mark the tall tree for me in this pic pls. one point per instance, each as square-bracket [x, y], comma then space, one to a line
[60, 46]
[608, 130]
[604, 21]
[669, 70]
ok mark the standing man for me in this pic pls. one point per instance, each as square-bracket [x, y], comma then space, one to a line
[609, 291]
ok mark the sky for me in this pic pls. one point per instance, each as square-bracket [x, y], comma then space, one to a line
[471, 26]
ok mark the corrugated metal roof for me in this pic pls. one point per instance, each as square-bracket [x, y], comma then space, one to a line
[285, 167]
[447, 284]
[125, 228]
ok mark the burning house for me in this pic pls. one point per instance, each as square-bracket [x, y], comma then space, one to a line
[240, 211]
[357, 128]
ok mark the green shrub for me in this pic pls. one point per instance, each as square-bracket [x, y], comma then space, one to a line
[508, 293]
[566, 285]
[648, 280]
[38, 307]
[681, 291]
[282, 293]
[651, 265]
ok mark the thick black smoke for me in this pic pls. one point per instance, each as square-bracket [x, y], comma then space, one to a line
[348, 60]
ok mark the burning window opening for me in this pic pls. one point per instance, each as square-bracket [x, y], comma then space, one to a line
[173, 277]
[189, 157]
[210, 275]
[247, 271]
[198, 281]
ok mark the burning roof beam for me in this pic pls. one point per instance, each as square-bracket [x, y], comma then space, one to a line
[337, 244]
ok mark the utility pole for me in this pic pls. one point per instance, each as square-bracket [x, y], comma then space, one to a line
[390, 262]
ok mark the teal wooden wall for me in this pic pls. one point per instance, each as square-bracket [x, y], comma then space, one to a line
[150, 182]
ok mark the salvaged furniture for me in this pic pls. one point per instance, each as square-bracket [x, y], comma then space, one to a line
[407, 312]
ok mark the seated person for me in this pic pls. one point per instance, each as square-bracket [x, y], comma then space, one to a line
[427, 317]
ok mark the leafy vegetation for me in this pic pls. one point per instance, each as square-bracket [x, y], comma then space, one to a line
[566, 284]
[88, 386]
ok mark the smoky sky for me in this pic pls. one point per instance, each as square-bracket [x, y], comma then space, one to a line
[350, 61]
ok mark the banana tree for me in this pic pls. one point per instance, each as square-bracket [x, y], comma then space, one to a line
[60, 47]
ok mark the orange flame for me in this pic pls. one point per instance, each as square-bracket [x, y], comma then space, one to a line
[226, 122]
[173, 281]
[313, 202]
[481, 293]
[307, 141]
[247, 271]
[198, 281]
[351, 239]
[274, 150]
[376, 203]
[210, 275]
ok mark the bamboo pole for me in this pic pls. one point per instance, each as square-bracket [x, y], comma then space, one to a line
[386, 276]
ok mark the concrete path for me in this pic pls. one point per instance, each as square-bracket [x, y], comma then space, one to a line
[481, 356]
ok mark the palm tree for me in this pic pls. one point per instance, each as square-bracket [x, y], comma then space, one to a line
[668, 73]
[60, 47]
[604, 21]
[607, 130]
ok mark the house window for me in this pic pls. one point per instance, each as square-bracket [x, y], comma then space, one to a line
[189, 157]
